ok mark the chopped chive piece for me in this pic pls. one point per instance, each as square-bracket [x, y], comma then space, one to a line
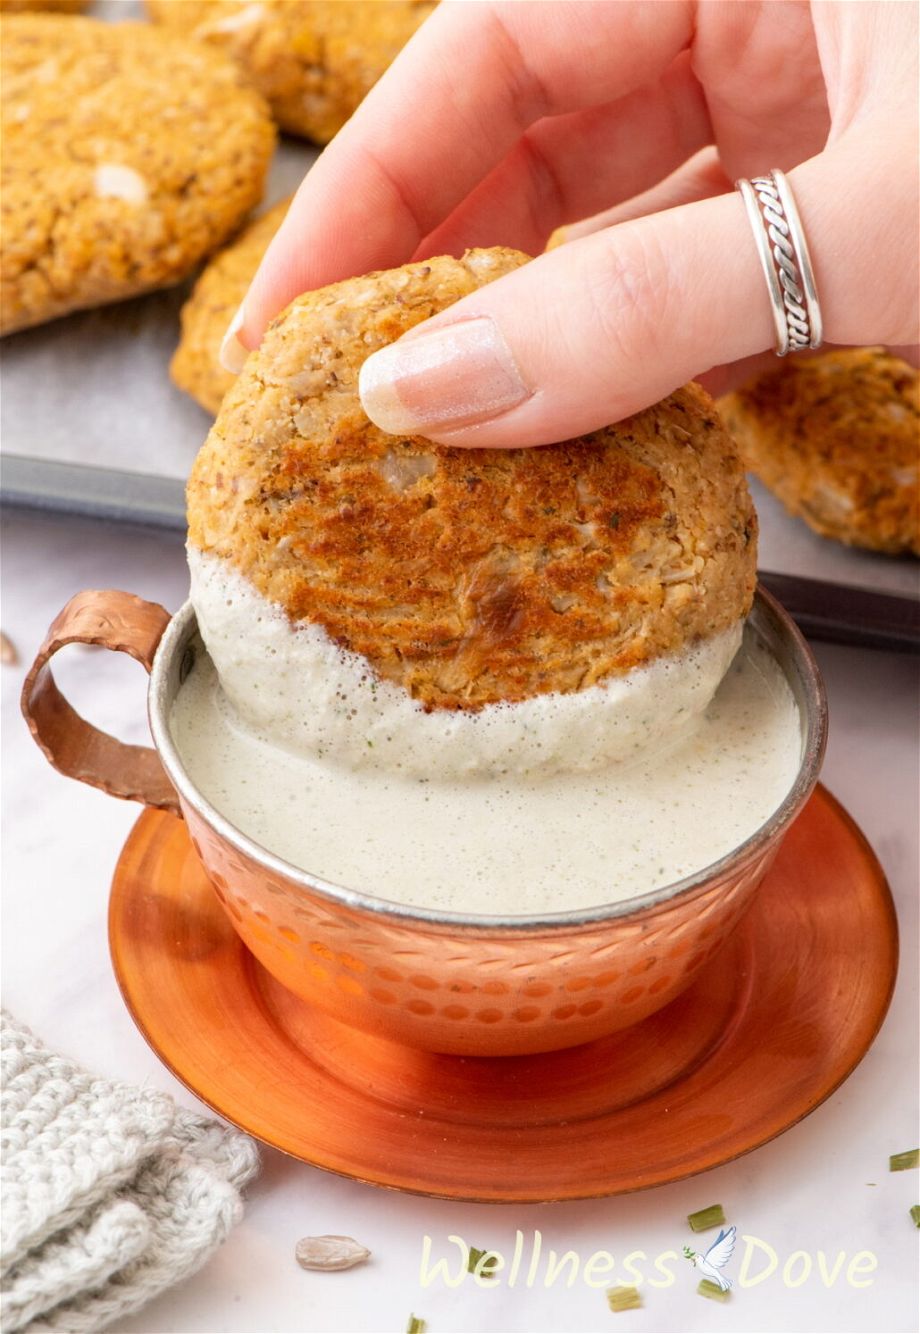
[416, 1325]
[704, 1219]
[712, 1291]
[900, 1162]
[624, 1299]
[474, 1258]
[915, 1214]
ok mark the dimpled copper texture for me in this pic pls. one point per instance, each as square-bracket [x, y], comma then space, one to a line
[500, 990]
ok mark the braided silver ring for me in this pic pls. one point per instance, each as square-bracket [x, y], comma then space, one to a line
[784, 257]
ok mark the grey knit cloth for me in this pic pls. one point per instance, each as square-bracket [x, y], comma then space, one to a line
[110, 1193]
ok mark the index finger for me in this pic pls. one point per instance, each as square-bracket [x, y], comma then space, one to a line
[453, 103]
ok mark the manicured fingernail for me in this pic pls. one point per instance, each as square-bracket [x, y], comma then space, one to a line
[456, 376]
[233, 351]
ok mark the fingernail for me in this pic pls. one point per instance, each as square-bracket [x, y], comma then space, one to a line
[455, 376]
[233, 352]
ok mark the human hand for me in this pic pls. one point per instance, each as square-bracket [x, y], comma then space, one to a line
[501, 121]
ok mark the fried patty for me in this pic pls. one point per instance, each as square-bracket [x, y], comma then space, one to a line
[314, 60]
[837, 439]
[467, 576]
[128, 155]
[195, 366]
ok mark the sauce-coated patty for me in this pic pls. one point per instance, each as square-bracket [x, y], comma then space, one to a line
[468, 576]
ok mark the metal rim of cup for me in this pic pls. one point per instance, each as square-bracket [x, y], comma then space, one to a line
[784, 640]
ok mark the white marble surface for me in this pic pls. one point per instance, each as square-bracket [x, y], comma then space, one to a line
[807, 1191]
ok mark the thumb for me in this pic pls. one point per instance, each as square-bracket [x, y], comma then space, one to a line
[608, 324]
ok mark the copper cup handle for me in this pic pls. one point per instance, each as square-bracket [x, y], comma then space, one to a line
[125, 624]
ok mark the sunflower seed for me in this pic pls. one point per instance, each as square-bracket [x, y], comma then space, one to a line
[8, 655]
[330, 1253]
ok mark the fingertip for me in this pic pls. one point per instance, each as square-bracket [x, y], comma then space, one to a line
[233, 351]
[442, 379]
[284, 272]
[379, 397]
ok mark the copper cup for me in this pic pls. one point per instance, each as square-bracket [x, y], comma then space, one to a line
[440, 981]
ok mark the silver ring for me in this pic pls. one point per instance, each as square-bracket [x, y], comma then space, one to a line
[784, 257]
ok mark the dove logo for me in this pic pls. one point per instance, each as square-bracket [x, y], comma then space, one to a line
[716, 1258]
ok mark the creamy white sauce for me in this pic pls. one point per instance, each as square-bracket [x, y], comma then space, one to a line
[520, 843]
[293, 684]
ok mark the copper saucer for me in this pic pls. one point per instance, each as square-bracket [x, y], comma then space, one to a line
[782, 1015]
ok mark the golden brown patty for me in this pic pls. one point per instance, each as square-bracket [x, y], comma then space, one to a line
[837, 439]
[217, 294]
[468, 576]
[128, 155]
[314, 60]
